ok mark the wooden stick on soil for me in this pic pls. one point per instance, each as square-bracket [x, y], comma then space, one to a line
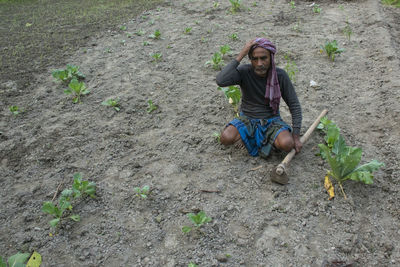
[55, 193]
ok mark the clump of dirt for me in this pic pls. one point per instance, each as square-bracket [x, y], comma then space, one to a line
[173, 150]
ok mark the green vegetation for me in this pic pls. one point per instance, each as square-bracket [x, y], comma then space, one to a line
[216, 61]
[316, 9]
[344, 161]
[142, 192]
[217, 136]
[188, 30]
[68, 74]
[225, 49]
[77, 89]
[234, 37]
[16, 260]
[156, 35]
[191, 264]
[292, 4]
[290, 68]
[347, 30]
[14, 110]
[332, 49]
[235, 6]
[151, 107]
[395, 3]
[140, 32]
[112, 103]
[79, 188]
[156, 56]
[233, 94]
[198, 220]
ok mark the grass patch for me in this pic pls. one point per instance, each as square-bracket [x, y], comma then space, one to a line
[395, 3]
[38, 33]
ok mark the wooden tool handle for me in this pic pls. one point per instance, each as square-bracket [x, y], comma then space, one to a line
[281, 167]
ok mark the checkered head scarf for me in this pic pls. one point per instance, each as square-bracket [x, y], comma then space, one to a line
[273, 91]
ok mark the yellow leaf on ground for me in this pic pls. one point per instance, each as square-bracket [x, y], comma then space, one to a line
[35, 260]
[329, 187]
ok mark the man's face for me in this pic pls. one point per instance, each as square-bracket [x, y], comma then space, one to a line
[261, 60]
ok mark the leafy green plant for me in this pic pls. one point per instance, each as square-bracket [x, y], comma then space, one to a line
[344, 161]
[140, 32]
[347, 30]
[332, 49]
[112, 103]
[198, 220]
[233, 94]
[142, 192]
[155, 35]
[191, 264]
[217, 136]
[292, 4]
[79, 188]
[69, 73]
[122, 28]
[235, 5]
[77, 89]
[216, 61]
[156, 57]
[151, 106]
[14, 110]
[16, 260]
[188, 30]
[145, 43]
[225, 49]
[290, 68]
[215, 4]
[316, 9]
[234, 37]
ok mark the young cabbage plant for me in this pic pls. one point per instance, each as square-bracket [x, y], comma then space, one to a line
[156, 56]
[235, 6]
[225, 49]
[151, 106]
[82, 188]
[57, 210]
[216, 61]
[112, 103]
[332, 49]
[234, 36]
[188, 30]
[198, 220]
[233, 94]
[77, 89]
[68, 74]
[142, 192]
[14, 110]
[290, 68]
[156, 35]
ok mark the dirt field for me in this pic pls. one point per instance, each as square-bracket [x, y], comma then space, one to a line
[254, 221]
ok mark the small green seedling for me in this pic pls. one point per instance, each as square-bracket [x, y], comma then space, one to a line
[156, 35]
[225, 49]
[83, 187]
[216, 61]
[217, 136]
[142, 192]
[79, 188]
[14, 110]
[156, 57]
[332, 49]
[122, 28]
[233, 94]
[254, 4]
[198, 220]
[151, 107]
[77, 89]
[188, 30]
[347, 30]
[395, 3]
[123, 42]
[112, 103]
[235, 6]
[191, 264]
[292, 4]
[234, 37]
[290, 68]
[140, 32]
[215, 4]
[69, 73]
[145, 43]
[316, 9]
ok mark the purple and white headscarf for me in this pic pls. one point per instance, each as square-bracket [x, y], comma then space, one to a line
[273, 91]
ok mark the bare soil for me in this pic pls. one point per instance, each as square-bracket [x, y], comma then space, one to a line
[254, 221]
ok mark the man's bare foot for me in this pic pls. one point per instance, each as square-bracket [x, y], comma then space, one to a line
[239, 144]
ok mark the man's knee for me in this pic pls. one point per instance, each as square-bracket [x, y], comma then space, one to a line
[284, 141]
[229, 135]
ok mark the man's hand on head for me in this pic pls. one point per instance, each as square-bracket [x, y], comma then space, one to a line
[297, 143]
[245, 50]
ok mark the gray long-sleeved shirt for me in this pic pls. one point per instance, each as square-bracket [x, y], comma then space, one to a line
[253, 89]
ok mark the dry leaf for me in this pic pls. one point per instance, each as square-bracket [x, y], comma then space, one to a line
[329, 187]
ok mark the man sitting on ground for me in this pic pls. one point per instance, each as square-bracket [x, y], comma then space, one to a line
[259, 127]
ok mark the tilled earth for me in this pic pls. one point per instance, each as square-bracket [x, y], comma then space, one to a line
[173, 150]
